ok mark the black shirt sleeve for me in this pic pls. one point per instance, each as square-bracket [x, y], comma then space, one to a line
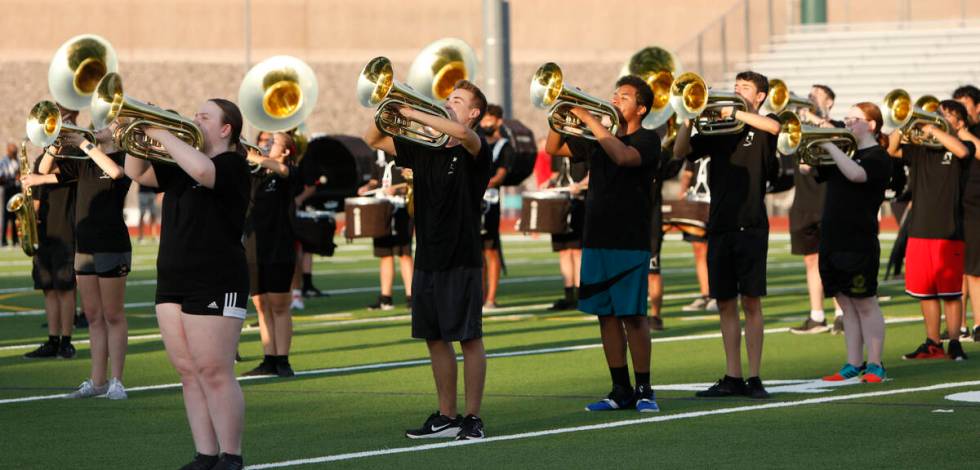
[648, 144]
[166, 173]
[700, 147]
[877, 167]
[580, 148]
[229, 172]
[405, 152]
[68, 169]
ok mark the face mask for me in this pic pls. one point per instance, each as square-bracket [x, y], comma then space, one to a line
[490, 130]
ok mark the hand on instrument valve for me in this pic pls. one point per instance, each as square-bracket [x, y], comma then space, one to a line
[155, 133]
[929, 130]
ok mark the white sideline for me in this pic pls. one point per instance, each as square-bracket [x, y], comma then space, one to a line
[613, 424]
[418, 362]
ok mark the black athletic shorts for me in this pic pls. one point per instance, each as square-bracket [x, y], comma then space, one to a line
[54, 267]
[805, 240]
[656, 243]
[693, 238]
[852, 273]
[490, 222]
[215, 302]
[400, 241]
[106, 265]
[447, 305]
[737, 263]
[272, 278]
[573, 239]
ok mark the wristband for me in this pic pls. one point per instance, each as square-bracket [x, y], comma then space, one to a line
[88, 147]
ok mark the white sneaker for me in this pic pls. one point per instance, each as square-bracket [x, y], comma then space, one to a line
[712, 305]
[88, 390]
[696, 306]
[297, 304]
[116, 390]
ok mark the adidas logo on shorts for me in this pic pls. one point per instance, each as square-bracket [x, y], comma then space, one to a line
[213, 305]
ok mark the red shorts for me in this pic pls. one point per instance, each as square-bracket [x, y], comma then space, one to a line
[934, 268]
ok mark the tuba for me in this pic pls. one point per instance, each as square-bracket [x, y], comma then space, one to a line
[692, 99]
[22, 206]
[110, 104]
[781, 98]
[436, 69]
[804, 140]
[548, 91]
[657, 67]
[77, 67]
[900, 113]
[376, 87]
[45, 127]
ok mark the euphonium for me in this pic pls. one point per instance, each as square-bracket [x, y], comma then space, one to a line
[657, 67]
[548, 91]
[781, 98]
[376, 87]
[804, 140]
[901, 113]
[436, 69]
[77, 67]
[109, 104]
[22, 206]
[45, 127]
[691, 99]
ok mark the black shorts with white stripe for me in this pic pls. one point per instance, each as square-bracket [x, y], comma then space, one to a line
[216, 302]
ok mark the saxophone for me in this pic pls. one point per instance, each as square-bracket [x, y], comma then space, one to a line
[23, 206]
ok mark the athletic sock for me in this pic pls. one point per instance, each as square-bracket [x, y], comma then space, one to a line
[387, 299]
[64, 339]
[297, 293]
[838, 313]
[268, 359]
[620, 376]
[642, 378]
[569, 294]
[52, 339]
[307, 281]
[818, 316]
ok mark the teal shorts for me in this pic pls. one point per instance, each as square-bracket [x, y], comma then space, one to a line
[614, 282]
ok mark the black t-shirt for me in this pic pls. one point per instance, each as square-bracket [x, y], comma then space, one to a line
[618, 206]
[201, 234]
[808, 200]
[504, 157]
[269, 237]
[56, 214]
[936, 179]
[740, 167]
[99, 223]
[448, 186]
[850, 215]
[971, 195]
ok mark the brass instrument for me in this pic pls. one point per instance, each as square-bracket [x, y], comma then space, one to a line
[22, 205]
[436, 69]
[110, 104]
[77, 67]
[548, 91]
[780, 98]
[45, 127]
[376, 87]
[900, 113]
[254, 168]
[928, 103]
[278, 94]
[657, 67]
[804, 140]
[692, 99]
[410, 193]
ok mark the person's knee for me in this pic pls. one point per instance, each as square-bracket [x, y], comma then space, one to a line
[213, 374]
[115, 317]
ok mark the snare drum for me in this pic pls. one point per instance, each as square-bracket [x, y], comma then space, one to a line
[545, 212]
[688, 216]
[367, 217]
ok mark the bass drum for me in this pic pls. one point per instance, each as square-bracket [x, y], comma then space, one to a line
[337, 165]
[690, 217]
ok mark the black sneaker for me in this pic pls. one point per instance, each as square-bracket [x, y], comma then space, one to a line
[810, 327]
[437, 426]
[471, 428]
[726, 387]
[48, 349]
[976, 334]
[944, 336]
[229, 462]
[954, 351]
[754, 388]
[656, 324]
[66, 350]
[383, 303]
[563, 304]
[264, 368]
[965, 333]
[283, 369]
[201, 462]
[838, 328]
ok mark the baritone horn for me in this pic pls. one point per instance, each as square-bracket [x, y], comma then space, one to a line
[548, 91]
[900, 113]
[109, 104]
[77, 67]
[657, 67]
[436, 69]
[376, 87]
[45, 127]
[691, 98]
[804, 140]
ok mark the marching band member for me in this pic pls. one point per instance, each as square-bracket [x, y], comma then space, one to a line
[616, 242]
[574, 176]
[502, 155]
[969, 97]
[738, 229]
[934, 257]
[202, 283]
